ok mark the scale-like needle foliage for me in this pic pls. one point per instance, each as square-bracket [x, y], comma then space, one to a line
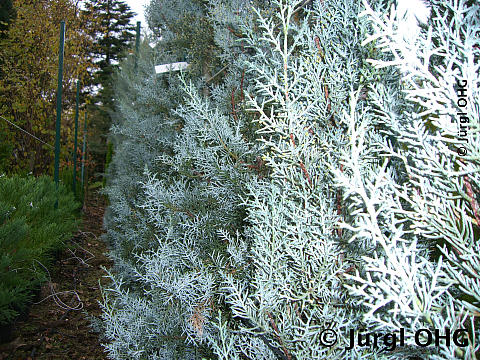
[313, 177]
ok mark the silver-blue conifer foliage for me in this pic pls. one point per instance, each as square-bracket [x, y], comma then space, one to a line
[315, 181]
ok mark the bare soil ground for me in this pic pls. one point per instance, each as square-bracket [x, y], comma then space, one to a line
[52, 330]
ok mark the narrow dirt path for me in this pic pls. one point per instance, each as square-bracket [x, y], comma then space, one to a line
[51, 330]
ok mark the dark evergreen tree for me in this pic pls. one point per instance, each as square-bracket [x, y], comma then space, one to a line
[113, 34]
[7, 12]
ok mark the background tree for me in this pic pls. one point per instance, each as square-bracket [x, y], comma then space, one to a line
[112, 32]
[7, 12]
[29, 61]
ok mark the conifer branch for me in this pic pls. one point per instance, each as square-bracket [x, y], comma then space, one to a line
[216, 74]
[176, 209]
[300, 163]
[275, 328]
[473, 201]
[234, 113]
[305, 172]
[259, 333]
[234, 32]
[233, 155]
[242, 97]
[292, 139]
[339, 206]
[317, 43]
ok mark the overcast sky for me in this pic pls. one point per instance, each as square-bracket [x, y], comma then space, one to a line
[138, 7]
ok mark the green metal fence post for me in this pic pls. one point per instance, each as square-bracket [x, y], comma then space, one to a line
[74, 185]
[59, 104]
[84, 149]
[137, 42]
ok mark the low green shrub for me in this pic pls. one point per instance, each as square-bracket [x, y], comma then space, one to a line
[31, 230]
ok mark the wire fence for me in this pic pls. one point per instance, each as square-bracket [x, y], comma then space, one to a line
[26, 132]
